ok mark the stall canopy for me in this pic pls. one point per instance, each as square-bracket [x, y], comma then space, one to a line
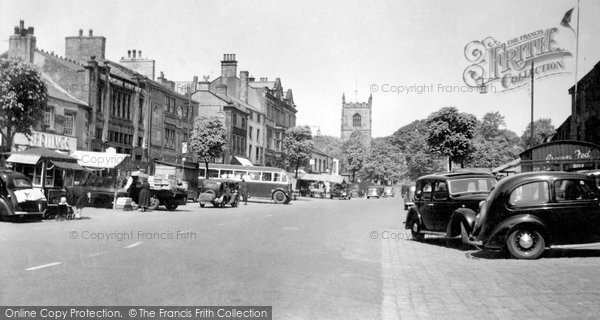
[33, 155]
[99, 160]
[241, 161]
[322, 177]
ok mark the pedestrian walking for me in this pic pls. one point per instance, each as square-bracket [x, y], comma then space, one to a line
[144, 196]
[82, 201]
[244, 191]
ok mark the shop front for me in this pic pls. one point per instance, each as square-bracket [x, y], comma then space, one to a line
[555, 156]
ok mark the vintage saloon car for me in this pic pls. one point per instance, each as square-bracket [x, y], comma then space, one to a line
[219, 192]
[374, 192]
[527, 212]
[18, 198]
[445, 204]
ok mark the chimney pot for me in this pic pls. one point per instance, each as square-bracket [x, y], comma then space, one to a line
[133, 53]
[139, 53]
[91, 32]
[81, 32]
[128, 53]
[21, 24]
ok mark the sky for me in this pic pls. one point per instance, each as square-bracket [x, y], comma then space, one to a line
[323, 49]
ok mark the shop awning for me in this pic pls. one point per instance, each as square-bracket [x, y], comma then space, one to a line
[68, 165]
[241, 160]
[322, 177]
[23, 158]
[98, 160]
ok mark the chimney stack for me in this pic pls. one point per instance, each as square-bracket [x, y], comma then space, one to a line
[222, 90]
[228, 66]
[244, 86]
[81, 48]
[135, 62]
[22, 43]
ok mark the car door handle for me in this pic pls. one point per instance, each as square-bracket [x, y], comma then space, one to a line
[430, 204]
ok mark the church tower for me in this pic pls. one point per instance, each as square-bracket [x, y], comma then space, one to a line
[356, 117]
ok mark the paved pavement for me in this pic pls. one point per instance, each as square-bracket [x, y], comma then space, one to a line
[312, 259]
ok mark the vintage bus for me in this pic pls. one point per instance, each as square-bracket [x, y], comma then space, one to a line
[263, 182]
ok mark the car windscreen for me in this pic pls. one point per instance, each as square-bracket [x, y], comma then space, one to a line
[471, 185]
[21, 183]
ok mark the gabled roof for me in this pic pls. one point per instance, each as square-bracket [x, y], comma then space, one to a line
[57, 92]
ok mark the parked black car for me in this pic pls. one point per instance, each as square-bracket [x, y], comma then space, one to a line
[219, 192]
[528, 212]
[446, 204]
[18, 198]
[341, 191]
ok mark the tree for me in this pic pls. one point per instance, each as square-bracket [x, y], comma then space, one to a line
[23, 97]
[209, 138]
[330, 145]
[542, 130]
[297, 146]
[412, 145]
[383, 163]
[494, 146]
[355, 151]
[450, 134]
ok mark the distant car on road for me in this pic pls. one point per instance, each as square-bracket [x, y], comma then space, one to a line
[446, 204]
[388, 192]
[341, 191]
[528, 212]
[374, 192]
[18, 198]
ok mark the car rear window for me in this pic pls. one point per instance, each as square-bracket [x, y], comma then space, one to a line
[471, 185]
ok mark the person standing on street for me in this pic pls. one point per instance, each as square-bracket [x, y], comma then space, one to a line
[82, 200]
[144, 196]
[244, 191]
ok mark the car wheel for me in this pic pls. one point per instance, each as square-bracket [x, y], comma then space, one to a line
[415, 231]
[154, 203]
[525, 243]
[279, 197]
[202, 205]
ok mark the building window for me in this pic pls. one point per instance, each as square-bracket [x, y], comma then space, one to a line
[68, 124]
[250, 132]
[170, 138]
[257, 134]
[356, 120]
[49, 117]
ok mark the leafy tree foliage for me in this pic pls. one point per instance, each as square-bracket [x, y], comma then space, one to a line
[494, 145]
[23, 96]
[209, 138]
[383, 163]
[297, 146]
[542, 130]
[450, 134]
[330, 145]
[355, 152]
[412, 145]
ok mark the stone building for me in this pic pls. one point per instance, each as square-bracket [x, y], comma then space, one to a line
[118, 107]
[65, 123]
[262, 108]
[584, 122]
[356, 117]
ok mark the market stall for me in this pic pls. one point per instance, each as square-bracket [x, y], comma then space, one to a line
[50, 170]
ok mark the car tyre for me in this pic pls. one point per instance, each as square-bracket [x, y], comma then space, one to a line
[202, 205]
[279, 197]
[415, 231]
[525, 243]
[154, 203]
